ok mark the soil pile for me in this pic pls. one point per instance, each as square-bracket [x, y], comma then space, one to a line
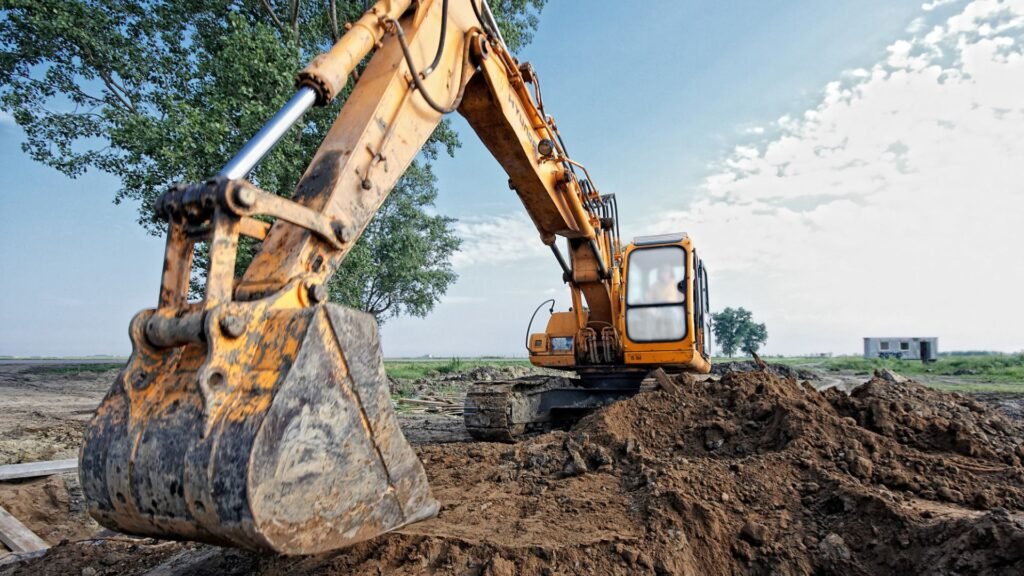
[752, 474]
[783, 370]
[53, 507]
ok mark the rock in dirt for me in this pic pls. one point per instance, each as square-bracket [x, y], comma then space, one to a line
[886, 374]
[756, 534]
[833, 551]
[894, 478]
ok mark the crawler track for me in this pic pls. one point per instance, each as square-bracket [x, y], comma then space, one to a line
[504, 411]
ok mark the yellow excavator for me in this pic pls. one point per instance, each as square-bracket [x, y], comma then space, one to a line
[260, 417]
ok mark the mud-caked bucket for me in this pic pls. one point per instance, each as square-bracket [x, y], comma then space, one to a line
[282, 438]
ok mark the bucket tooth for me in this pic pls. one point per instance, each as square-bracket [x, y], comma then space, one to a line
[294, 448]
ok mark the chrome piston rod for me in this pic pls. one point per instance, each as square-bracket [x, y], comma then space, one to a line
[268, 136]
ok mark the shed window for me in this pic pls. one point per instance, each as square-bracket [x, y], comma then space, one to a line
[883, 345]
[904, 345]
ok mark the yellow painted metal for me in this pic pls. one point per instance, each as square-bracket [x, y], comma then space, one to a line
[539, 343]
[684, 353]
[564, 324]
[560, 325]
[328, 73]
[548, 360]
[204, 430]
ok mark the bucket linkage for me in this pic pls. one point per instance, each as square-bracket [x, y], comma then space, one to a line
[265, 424]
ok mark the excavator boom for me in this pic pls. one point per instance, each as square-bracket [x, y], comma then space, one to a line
[260, 416]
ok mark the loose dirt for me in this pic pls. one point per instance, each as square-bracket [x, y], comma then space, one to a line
[755, 473]
[45, 407]
[53, 507]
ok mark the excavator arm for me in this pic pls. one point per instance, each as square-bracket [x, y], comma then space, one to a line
[392, 111]
[260, 416]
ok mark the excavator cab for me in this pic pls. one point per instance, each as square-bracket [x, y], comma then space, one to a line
[664, 321]
[666, 304]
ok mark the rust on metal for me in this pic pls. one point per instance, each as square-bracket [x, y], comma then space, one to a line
[264, 424]
[282, 440]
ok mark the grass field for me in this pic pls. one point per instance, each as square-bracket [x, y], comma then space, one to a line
[70, 367]
[977, 373]
[981, 373]
[1009, 367]
[413, 368]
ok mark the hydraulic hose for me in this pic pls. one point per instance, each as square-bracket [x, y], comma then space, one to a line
[418, 82]
[440, 43]
[530, 325]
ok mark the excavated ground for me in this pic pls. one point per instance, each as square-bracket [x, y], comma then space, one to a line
[755, 473]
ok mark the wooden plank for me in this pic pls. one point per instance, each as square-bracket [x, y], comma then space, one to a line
[33, 469]
[417, 402]
[665, 381]
[17, 537]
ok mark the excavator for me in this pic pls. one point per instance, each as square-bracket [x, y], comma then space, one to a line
[259, 416]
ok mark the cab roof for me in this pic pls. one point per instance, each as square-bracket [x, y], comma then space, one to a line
[673, 238]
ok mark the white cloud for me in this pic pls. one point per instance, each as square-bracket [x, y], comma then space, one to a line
[929, 6]
[497, 240]
[894, 206]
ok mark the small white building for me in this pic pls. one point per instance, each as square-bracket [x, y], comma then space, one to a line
[926, 349]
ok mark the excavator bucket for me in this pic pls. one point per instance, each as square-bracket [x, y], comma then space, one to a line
[280, 439]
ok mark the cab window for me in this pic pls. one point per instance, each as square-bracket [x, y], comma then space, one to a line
[656, 295]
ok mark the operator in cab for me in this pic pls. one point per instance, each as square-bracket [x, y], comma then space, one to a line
[664, 287]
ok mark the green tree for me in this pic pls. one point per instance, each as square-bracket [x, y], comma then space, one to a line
[754, 337]
[162, 91]
[404, 263]
[735, 330]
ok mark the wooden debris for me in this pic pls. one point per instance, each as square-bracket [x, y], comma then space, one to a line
[17, 537]
[665, 381]
[418, 402]
[34, 469]
[447, 406]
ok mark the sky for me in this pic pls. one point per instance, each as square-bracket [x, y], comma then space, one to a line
[846, 168]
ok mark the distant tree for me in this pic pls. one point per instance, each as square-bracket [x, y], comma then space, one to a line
[155, 92]
[735, 330]
[754, 337]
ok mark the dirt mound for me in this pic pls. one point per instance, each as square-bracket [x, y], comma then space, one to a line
[1008, 403]
[487, 373]
[753, 474]
[783, 370]
[52, 507]
[45, 408]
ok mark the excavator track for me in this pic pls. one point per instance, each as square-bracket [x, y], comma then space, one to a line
[495, 411]
[487, 413]
[507, 411]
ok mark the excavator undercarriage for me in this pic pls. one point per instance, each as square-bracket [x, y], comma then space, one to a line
[505, 411]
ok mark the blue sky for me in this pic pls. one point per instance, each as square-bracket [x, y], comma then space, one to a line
[711, 117]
